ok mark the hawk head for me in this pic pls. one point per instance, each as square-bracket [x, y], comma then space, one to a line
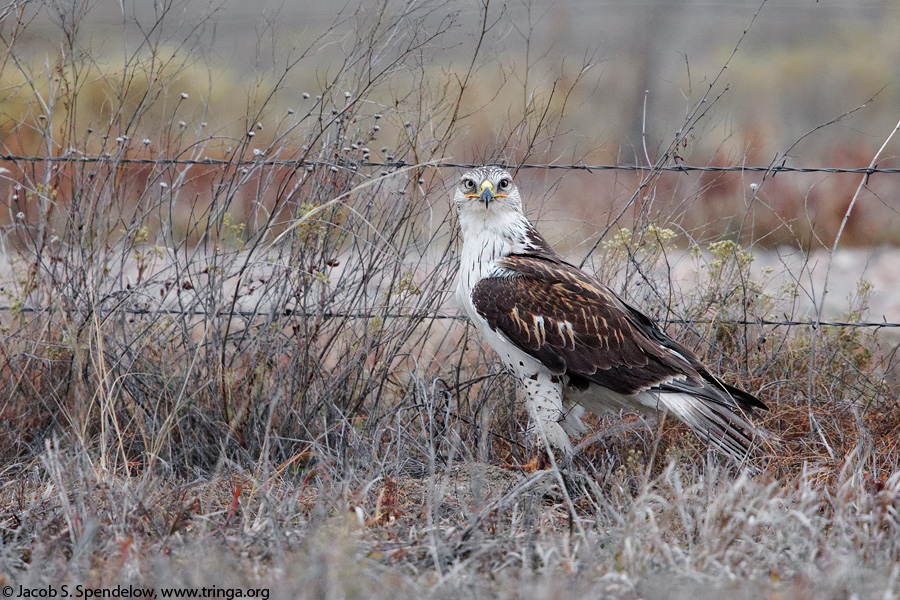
[490, 189]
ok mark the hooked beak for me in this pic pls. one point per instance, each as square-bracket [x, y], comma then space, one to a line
[487, 192]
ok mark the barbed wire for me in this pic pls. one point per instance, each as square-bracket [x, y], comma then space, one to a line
[298, 163]
[399, 164]
[439, 316]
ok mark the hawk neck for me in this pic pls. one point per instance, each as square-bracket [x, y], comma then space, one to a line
[489, 236]
[487, 240]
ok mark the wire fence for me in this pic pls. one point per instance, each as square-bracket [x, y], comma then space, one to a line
[399, 164]
[249, 314]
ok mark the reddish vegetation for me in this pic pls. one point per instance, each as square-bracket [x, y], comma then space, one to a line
[798, 209]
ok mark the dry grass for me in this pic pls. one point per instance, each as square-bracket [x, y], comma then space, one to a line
[471, 529]
[240, 374]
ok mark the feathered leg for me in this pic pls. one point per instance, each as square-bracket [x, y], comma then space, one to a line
[545, 406]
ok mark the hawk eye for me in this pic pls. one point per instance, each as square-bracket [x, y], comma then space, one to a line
[504, 184]
[468, 183]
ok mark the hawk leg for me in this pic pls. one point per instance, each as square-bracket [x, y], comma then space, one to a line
[572, 422]
[548, 416]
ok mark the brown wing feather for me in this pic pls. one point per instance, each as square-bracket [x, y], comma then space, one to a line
[576, 325]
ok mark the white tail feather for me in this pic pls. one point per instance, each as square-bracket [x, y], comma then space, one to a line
[723, 426]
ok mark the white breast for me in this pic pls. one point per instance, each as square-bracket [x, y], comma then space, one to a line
[488, 236]
[482, 248]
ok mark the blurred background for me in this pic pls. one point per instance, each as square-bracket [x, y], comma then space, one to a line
[803, 62]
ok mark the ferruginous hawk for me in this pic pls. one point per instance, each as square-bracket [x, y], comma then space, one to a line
[570, 340]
